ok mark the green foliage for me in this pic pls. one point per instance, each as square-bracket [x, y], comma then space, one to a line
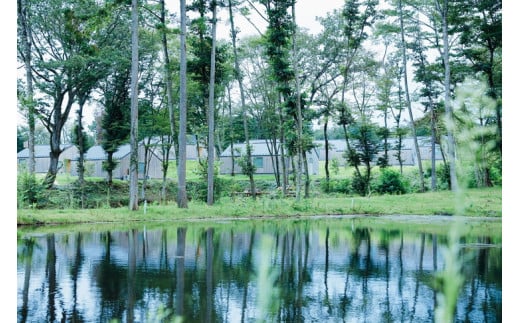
[268, 294]
[243, 161]
[334, 166]
[475, 133]
[29, 191]
[343, 186]
[360, 184]
[450, 280]
[199, 189]
[390, 182]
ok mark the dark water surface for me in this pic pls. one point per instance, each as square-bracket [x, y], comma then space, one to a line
[307, 270]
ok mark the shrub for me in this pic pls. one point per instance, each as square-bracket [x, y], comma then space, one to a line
[334, 166]
[336, 186]
[360, 185]
[29, 190]
[390, 182]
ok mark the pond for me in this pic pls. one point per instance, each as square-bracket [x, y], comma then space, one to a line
[344, 269]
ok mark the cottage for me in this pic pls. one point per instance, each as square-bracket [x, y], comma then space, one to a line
[42, 158]
[337, 149]
[96, 155]
[263, 156]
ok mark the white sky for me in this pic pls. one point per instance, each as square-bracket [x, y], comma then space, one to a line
[306, 11]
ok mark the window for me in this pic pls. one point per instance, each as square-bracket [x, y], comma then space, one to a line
[140, 168]
[259, 162]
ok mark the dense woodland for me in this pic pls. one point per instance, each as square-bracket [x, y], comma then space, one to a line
[377, 70]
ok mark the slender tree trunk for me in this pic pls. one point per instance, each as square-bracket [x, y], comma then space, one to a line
[81, 150]
[299, 121]
[134, 161]
[166, 147]
[407, 93]
[443, 10]
[285, 180]
[26, 36]
[326, 137]
[238, 76]
[211, 110]
[433, 141]
[231, 133]
[182, 198]
[169, 86]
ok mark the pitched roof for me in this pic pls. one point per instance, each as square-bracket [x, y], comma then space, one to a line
[40, 151]
[259, 148]
[98, 153]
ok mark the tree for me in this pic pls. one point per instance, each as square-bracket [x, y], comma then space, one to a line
[169, 83]
[407, 94]
[279, 31]
[182, 198]
[116, 120]
[427, 74]
[134, 91]
[65, 48]
[481, 42]
[238, 77]
[211, 111]
[80, 140]
[25, 51]
[442, 8]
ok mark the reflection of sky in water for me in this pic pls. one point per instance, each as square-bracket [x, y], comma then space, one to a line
[388, 278]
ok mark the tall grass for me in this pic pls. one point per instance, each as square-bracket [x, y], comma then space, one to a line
[474, 145]
[267, 296]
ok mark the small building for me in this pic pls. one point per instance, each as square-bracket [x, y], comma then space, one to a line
[42, 158]
[263, 156]
[96, 155]
[338, 147]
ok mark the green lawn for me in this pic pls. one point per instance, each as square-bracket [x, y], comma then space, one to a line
[474, 202]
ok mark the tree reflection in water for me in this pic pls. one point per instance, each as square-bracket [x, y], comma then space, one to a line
[327, 270]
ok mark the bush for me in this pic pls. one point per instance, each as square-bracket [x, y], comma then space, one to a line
[390, 182]
[336, 186]
[360, 185]
[29, 190]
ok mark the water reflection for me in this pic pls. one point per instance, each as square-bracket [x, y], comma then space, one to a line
[333, 270]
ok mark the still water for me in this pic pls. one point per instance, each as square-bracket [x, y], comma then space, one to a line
[307, 270]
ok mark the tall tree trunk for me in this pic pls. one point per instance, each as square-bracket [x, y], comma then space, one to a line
[165, 147]
[55, 127]
[231, 133]
[407, 94]
[26, 36]
[134, 161]
[182, 198]
[81, 150]
[211, 110]
[433, 141]
[442, 7]
[285, 181]
[238, 76]
[169, 86]
[326, 137]
[299, 121]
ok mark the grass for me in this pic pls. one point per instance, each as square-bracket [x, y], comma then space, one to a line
[479, 203]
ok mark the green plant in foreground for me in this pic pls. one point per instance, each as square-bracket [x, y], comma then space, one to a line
[29, 189]
[449, 281]
[267, 293]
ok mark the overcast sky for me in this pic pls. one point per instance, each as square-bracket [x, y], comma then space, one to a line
[306, 12]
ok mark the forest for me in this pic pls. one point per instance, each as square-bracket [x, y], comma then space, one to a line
[376, 73]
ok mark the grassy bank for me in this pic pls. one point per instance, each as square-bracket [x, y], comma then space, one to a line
[477, 202]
